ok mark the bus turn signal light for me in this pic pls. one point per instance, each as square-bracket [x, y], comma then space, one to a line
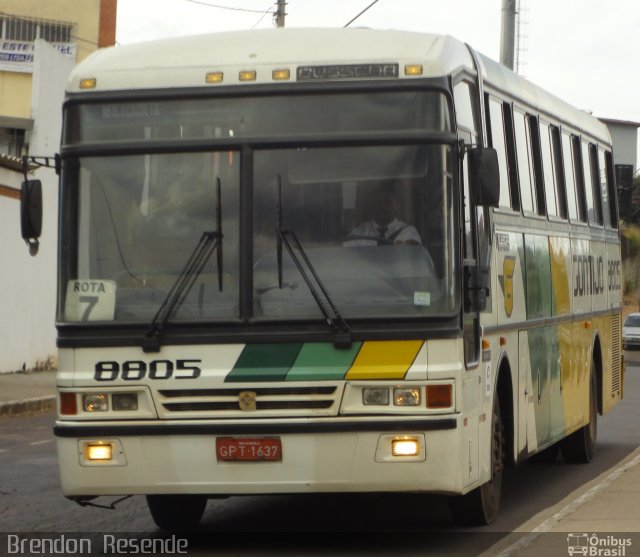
[439, 396]
[68, 404]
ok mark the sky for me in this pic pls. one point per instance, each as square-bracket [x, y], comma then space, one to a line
[583, 51]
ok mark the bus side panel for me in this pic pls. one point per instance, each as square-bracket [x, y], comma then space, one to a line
[509, 305]
[543, 352]
[563, 393]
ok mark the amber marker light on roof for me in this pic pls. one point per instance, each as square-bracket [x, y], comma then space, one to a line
[214, 77]
[413, 69]
[88, 83]
[281, 75]
[247, 75]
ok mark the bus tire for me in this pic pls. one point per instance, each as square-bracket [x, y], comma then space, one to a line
[176, 512]
[580, 446]
[480, 506]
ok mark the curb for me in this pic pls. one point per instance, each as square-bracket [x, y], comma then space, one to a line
[27, 406]
[527, 534]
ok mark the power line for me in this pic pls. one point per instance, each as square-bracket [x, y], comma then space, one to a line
[226, 7]
[363, 11]
[261, 18]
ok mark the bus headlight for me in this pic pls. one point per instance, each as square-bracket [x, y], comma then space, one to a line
[124, 402]
[375, 396]
[95, 402]
[406, 396]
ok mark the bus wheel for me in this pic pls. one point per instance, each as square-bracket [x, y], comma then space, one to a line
[176, 512]
[580, 446]
[480, 506]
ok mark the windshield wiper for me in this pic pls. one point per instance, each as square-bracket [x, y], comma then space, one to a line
[288, 238]
[209, 242]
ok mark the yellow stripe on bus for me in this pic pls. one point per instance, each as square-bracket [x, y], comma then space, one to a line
[384, 359]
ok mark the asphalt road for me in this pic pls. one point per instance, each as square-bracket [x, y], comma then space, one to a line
[31, 501]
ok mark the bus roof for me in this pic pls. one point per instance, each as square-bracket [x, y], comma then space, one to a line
[183, 62]
[512, 85]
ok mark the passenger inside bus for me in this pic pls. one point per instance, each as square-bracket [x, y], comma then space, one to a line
[384, 227]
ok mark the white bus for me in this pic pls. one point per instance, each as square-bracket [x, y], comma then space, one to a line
[298, 261]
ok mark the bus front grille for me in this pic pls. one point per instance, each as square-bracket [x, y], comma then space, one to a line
[249, 402]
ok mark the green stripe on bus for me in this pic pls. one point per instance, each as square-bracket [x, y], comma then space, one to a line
[322, 362]
[544, 354]
[264, 362]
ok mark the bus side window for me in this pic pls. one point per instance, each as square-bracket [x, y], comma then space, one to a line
[605, 191]
[569, 177]
[497, 141]
[536, 165]
[558, 172]
[512, 164]
[466, 120]
[599, 194]
[578, 171]
[550, 183]
[608, 184]
[523, 150]
[463, 100]
[590, 166]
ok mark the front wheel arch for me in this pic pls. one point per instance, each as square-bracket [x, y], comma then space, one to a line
[505, 392]
[597, 360]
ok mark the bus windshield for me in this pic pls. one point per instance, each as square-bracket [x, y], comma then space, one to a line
[375, 221]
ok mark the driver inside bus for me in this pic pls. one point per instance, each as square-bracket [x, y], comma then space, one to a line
[384, 228]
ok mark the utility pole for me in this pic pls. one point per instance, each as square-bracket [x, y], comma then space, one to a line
[280, 13]
[508, 33]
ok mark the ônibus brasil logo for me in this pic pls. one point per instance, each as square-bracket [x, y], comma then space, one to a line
[597, 545]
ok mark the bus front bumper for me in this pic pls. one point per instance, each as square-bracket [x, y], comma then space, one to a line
[172, 458]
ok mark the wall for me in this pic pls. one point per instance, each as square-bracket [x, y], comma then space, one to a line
[625, 144]
[28, 292]
[15, 94]
[84, 13]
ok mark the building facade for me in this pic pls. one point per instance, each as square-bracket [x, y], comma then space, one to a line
[624, 135]
[40, 43]
[75, 27]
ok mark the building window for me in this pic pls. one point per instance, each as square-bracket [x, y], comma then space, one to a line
[20, 29]
[11, 141]
[29, 29]
[55, 32]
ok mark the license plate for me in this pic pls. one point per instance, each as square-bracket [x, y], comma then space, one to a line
[248, 448]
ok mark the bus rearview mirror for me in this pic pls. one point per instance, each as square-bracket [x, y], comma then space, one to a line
[31, 213]
[484, 176]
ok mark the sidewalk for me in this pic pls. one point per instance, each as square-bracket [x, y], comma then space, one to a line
[603, 514]
[27, 393]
